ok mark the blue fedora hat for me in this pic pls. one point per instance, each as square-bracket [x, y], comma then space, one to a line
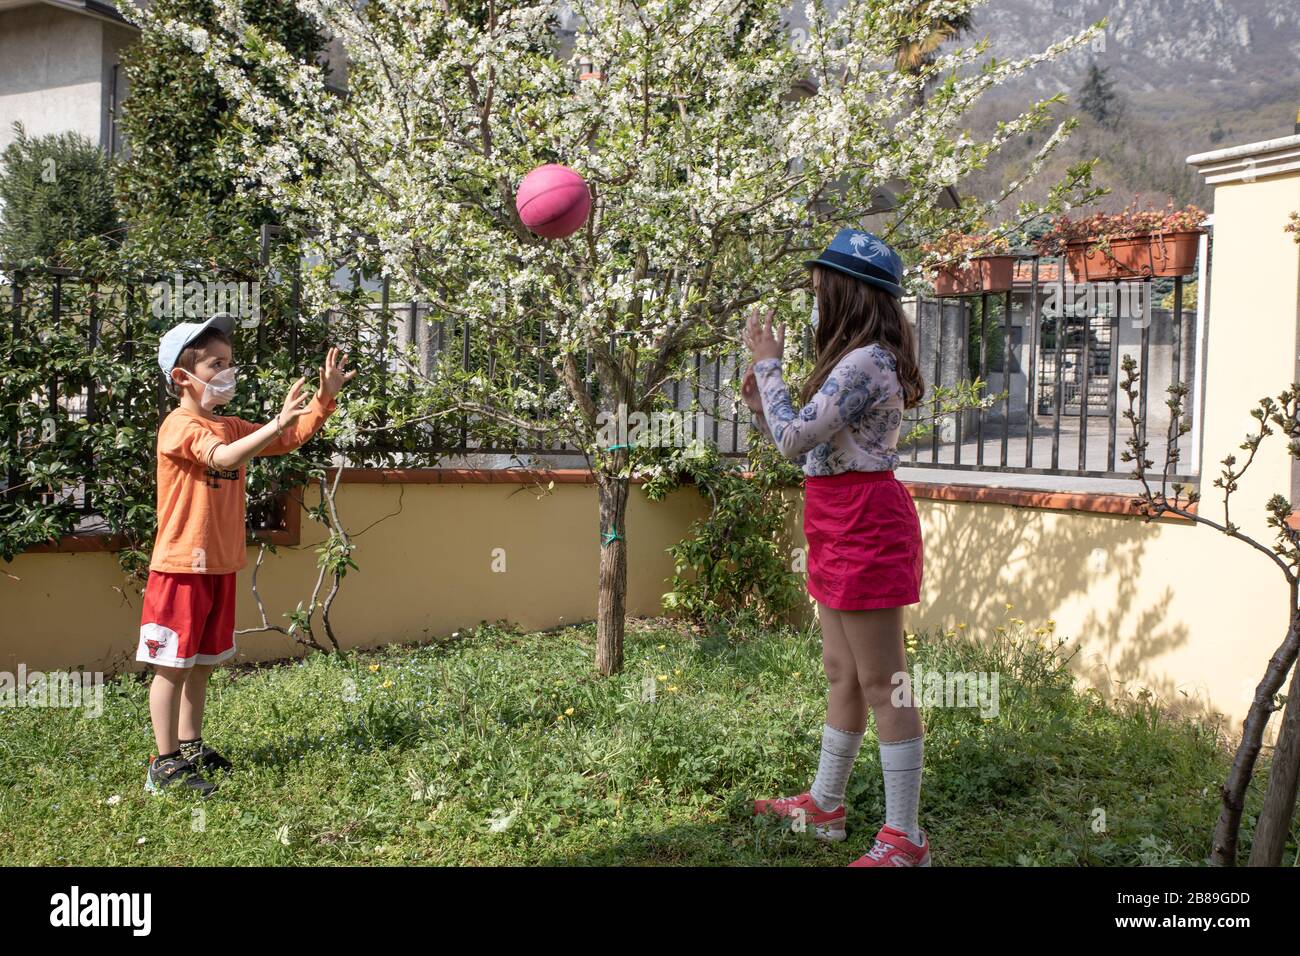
[864, 256]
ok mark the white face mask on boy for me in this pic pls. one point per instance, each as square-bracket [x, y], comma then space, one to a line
[219, 389]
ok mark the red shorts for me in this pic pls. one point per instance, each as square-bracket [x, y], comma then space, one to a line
[864, 541]
[187, 619]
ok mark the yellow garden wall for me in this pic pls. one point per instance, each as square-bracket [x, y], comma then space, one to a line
[426, 569]
[1176, 608]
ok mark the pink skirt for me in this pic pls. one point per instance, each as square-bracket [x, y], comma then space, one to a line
[864, 541]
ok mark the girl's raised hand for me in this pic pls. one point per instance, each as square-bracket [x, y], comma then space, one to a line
[749, 392]
[758, 335]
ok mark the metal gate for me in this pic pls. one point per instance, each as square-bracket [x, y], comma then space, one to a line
[1085, 342]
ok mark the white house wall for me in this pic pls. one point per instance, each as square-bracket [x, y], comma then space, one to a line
[55, 72]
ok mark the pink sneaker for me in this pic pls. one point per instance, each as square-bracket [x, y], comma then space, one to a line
[825, 825]
[893, 848]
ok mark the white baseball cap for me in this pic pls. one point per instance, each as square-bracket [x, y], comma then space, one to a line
[176, 338]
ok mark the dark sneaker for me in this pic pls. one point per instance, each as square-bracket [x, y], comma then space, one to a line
[174, 771]
[209, 759]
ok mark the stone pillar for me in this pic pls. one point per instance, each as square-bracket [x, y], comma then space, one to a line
[1253, 317]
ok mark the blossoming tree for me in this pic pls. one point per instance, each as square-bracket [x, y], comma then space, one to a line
[712, 174]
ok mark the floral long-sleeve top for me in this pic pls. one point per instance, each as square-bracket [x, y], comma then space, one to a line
[851, 424]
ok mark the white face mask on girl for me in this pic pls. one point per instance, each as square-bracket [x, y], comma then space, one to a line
[219, 389]
[813, 317]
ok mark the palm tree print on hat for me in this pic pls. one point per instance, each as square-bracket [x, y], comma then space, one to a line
[875, 247]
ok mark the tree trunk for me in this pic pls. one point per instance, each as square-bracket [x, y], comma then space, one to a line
[1223, 852]
[1279, 800]
[611, 605]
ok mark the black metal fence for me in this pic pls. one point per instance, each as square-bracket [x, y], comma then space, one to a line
[1056, 364]
[1052, 351]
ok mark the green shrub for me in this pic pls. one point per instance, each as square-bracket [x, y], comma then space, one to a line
[52, 189]
[78, 424]
[736, 563]
[184, 202]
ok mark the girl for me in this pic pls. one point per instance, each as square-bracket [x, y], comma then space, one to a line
[864, 538]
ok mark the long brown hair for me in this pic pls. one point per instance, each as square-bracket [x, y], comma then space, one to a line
[851, 314]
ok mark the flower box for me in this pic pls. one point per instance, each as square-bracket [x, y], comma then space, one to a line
[984, 274]
[1090, 262]
[1134, 244]
[1174, 253]
[1135, 257]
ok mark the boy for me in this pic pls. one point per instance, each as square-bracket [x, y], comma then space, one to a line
[187, 625]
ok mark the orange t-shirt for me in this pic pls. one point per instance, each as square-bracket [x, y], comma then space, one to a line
[201, 508]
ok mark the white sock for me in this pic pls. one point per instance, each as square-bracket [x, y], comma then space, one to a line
[901, 762]
[839, 750]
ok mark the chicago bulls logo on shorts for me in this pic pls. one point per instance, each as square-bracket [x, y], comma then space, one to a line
[187, 619]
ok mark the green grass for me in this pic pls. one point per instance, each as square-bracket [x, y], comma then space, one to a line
[409, 755]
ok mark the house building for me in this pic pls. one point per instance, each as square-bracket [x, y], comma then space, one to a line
[60, 69]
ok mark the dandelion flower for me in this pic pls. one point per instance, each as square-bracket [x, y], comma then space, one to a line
[569, 712]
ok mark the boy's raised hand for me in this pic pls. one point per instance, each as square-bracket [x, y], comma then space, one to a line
[332, 374]
[295, 404]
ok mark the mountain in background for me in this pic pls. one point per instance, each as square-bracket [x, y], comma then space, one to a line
[1188, 76]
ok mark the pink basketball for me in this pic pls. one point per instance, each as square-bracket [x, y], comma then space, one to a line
[553, 201]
